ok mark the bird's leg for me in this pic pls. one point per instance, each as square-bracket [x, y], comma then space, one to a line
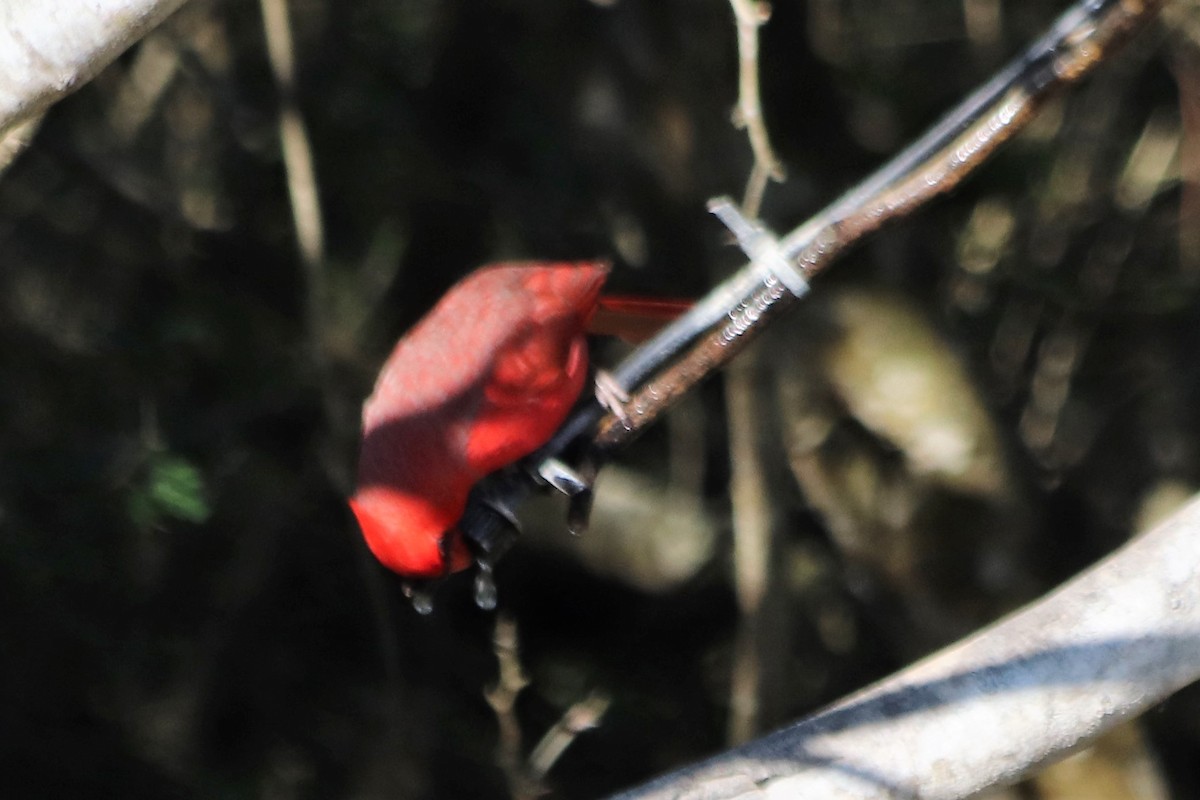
[488, 523]
[573, 481]
[576, 483]
[579, 510]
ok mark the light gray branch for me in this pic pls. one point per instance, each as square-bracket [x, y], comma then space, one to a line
[1029, 689]
[49, 48]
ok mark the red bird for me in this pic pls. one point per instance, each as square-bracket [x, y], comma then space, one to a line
[484, 379]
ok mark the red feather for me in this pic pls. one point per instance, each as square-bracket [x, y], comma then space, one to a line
[485, 378]
[634, 319]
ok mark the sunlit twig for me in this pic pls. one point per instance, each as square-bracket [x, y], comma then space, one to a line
[502, 697]
[149, 76]
[750, 15]
[751, 521]
[525, 778]
[297, 156]
[582, 716]
[14, 142]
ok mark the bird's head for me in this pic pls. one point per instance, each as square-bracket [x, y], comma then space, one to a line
[409, 535]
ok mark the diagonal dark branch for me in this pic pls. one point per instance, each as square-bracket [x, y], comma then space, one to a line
[722, 323]
[949, 152]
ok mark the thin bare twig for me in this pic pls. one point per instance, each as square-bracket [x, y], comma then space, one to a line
[150, 75]
[750, 16]
[502, 697]
[583, 716]
[297, 158]
[751, 519]
[525, 778]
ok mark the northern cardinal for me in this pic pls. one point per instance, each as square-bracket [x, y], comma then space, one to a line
[484, 379]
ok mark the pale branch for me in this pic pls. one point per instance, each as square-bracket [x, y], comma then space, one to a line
[1031, 688]
[48, 50]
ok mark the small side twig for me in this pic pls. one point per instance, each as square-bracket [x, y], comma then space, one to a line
[502, 697]
[14, 141]
[525, 778]
[149, 76]
[583, 716]
[751, 522]
[297, 161]
[750, 16]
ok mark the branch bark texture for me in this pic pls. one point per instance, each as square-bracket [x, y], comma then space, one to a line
[1029, 689]
[50, 49]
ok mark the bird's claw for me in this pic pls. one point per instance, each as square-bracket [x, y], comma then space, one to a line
[575, 484]
[489, 524]
[612, 395]
[562, 477]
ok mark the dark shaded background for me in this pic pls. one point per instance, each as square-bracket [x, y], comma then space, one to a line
[187, 608]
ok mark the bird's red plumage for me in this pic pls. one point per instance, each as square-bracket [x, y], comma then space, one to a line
[482, 380]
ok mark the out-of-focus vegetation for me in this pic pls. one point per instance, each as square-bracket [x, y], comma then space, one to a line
[975, 404]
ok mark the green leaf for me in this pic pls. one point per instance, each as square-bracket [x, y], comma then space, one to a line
[176, 489]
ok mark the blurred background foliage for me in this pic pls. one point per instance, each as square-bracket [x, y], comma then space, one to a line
[973, 405]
